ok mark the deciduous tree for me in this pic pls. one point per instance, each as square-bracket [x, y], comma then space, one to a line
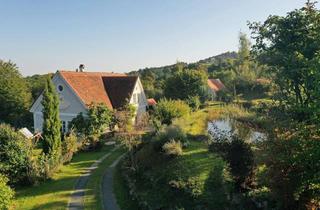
[185, 83]
[15, 97]
[290, 46]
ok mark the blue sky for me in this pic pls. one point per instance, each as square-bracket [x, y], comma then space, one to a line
[124, 35]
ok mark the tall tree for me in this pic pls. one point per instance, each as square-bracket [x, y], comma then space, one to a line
[290, 46]
[15, 97]
[185, 83]
[244, 66]
[51, 121]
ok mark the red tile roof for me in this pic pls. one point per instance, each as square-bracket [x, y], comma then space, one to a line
[93, 87]
[151, 101]
[215, 84]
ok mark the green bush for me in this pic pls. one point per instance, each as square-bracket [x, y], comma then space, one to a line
[194, 102]
[42, 167]
[167, 110]
[6, 193]
[89, 128]
[224, 96]
[172, 148]
[15, 151]
[69, 146]
[169, 133]
[240, 157]
[293, 171]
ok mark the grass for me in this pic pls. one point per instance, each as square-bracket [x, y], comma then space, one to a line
[55, 193]
[192, 169]
[92, 199]
[121, 191]
[196, 122]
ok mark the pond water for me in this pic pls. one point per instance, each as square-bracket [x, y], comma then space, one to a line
[229, 127]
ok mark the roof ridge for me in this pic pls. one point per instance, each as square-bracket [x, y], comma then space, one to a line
[90, 72]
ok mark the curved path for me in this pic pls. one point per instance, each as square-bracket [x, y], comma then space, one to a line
[109, 201]
[76, 199]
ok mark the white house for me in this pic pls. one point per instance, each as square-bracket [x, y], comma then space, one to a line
[77, 90]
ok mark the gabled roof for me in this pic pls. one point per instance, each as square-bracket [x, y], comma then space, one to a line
[100, 87]
[119, 89]
[215, 84]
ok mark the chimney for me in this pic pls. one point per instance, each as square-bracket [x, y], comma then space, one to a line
[81, 67]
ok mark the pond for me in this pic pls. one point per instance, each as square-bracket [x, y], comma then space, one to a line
[228, 127]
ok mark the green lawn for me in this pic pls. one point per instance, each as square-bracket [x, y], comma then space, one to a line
[54, 193]
[92, 199]
[195, 123]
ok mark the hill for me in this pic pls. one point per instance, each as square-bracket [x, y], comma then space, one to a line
[213, 60]
[153, 78]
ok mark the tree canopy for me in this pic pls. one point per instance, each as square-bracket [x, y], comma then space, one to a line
[290, 46]
[185, 83]
[15, 97]
[37, 83]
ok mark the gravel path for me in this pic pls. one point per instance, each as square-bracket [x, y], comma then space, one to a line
[109, 200]
[76, 199]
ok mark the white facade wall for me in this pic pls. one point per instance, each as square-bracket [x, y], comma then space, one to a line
[138, 99]
[70, 105]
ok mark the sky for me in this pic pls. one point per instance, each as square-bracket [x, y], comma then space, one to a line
[43, 36]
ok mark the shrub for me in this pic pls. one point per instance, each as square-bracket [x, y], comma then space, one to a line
[79, 124]
[91, 127]
[194, 102]
[167, 110]
[6, 193]
[239, 155]
[172, 148]
[225, 96]
[124, 118]
[142, 122]
[293, 170]
[43, 167]
[15, 151]
[169, 133]
[69, 146]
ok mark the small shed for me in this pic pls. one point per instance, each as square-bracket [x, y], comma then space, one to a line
[26, 133]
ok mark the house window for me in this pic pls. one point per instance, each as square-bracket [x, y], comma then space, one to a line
[135, 98]
[64, 126]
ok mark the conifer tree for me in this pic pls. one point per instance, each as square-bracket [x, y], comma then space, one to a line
[51, 122]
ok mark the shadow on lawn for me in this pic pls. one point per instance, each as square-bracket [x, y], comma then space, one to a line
[55, 193]
[52, 205]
